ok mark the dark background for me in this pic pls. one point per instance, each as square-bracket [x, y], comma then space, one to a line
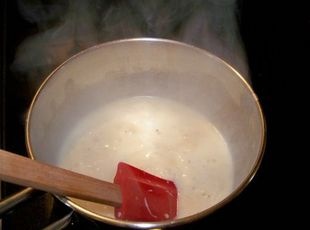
[274, 35]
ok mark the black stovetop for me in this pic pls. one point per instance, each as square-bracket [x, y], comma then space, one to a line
[261, 45]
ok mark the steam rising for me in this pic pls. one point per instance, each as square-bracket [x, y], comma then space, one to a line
[66, 27]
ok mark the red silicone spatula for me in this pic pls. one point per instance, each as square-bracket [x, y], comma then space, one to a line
[135, 194]
[152, 198]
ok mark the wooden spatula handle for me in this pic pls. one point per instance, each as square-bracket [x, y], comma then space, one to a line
[27, 172]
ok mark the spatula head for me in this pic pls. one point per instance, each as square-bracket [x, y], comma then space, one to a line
[145, 197]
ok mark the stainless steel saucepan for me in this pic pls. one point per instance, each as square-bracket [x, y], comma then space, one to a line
[148, 67]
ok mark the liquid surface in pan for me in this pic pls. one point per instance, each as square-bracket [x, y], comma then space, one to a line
[159, 136]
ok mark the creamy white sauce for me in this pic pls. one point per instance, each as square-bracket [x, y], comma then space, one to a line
[159, 136]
